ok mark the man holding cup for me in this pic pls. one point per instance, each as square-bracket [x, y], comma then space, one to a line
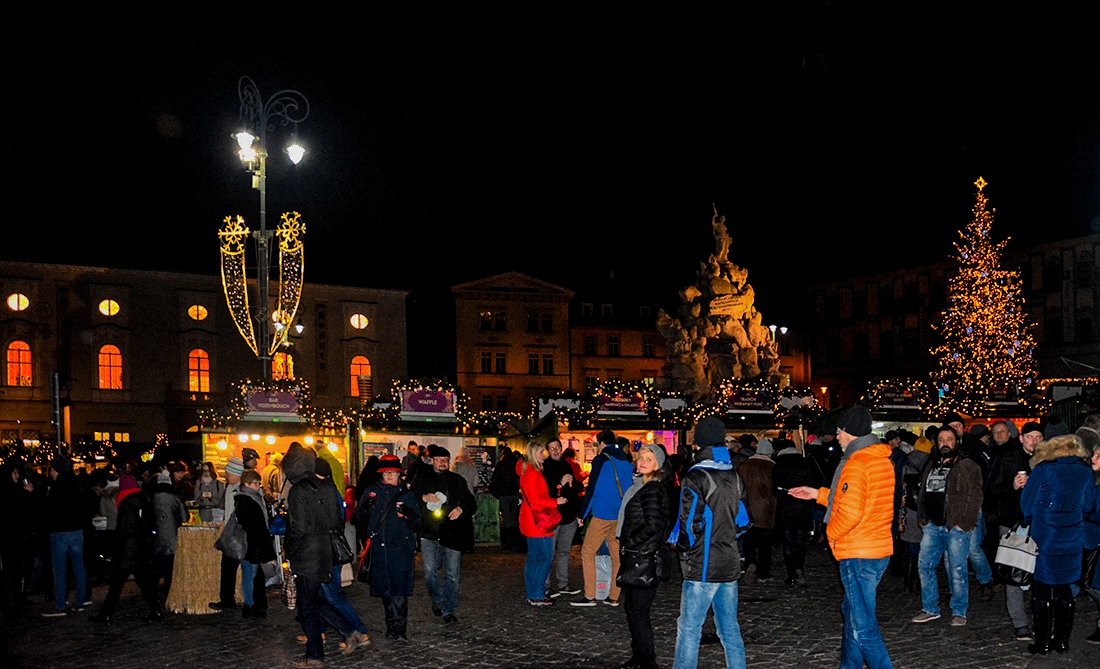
[1007, 476]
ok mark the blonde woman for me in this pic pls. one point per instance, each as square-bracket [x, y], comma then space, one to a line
[538, 518]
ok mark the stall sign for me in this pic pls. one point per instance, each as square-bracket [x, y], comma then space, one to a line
[898, 397]
[750, 401]
[1002, 395]
[273, 404]
[622, 404]
[427, 404]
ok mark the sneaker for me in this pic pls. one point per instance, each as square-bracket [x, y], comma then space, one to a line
[925, 617]
[1024, 634]
[437, 609]
[88, 603]
[958, 621]
[54, 613]
[570, 591]
[584, 601]
[354, 641]
[611, 602]
[450, 618]
[553, 595]
[540, 602]
[1094, 637]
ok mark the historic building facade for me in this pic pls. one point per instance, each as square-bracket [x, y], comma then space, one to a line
[137, 353]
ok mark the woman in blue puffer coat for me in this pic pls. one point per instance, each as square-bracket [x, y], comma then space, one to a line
[1053, 503]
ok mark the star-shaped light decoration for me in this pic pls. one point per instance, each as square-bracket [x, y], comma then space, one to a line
[981, 183]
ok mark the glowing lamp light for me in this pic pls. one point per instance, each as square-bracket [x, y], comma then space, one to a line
[296, 152]
[248, 155]
[332, 447]
[438, 513]
[255, 437]
[243, 438]
[244, 140]
[309, 441]
[270, 439]
[222, 445]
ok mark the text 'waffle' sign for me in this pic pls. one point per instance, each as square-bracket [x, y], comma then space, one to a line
[427, 404]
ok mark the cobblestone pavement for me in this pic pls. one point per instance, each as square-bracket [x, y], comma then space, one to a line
[783, 626]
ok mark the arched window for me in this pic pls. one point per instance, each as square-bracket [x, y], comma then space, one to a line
[19, 364]
[360, 366]
[110, 368]
[198, 371]
[282, 366]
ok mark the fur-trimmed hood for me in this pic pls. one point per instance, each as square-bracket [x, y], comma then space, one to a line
[1059, 447]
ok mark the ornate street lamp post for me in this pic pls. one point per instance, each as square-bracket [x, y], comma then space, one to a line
[259, 117]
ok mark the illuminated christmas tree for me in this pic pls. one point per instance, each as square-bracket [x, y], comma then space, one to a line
[985, 354]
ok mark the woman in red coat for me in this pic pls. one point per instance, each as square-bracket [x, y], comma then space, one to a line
[538, 517]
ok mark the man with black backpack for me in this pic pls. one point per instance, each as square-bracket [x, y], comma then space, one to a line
[711, 517]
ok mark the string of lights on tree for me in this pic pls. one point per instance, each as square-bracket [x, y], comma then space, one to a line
[920, 390]
[985, 340]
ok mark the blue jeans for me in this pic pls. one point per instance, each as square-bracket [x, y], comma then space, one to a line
[862, 637]
[977, 556]
[696, 598]
[333, 593]
[68, 546]
[248, 576]
[936, 542]
[540, 556]
[431, 555]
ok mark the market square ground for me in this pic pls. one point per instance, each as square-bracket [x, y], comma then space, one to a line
[783, 626]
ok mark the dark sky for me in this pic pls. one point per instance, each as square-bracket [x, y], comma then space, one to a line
[447, 150]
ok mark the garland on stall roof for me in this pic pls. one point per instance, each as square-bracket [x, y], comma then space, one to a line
[921, 389]
[220, 418]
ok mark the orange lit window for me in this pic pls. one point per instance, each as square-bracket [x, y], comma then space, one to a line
[282, 366]
[110, 368]
[19, 364]
[359, 321]
[360, 366]
[197, 312]
[198, 371]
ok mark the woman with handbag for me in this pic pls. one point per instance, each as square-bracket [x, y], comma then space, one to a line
[538, 518]
[642, 531]
[387, 515]
[1053, 506]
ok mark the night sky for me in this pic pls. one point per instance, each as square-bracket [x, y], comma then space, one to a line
[449, 150]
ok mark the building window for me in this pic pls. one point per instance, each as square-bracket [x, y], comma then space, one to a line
[590, 382]
[500, 321]
[548, 322]
[587, 308]
[108, 308]
[613, 345]
[360, 366]
[648, 345]
[607, 310]
[197, 312]
[486, 362]
[532, 363]
[198, 371]
[644, 312]
[359, 321]
[502, 402]
[784, 347]
[501, 367]
[110, 368]
[590, 344]
[486, 402]
[533, 322]
[548, 363]
[109, 436]
[19, 364]
[485, 321]
[282, 367]
[18, 302]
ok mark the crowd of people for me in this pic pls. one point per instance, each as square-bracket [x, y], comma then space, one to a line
[903, 503]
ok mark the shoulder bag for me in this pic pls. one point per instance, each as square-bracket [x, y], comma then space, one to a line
[1016, 553]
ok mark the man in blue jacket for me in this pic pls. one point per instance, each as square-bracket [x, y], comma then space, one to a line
[611, 474]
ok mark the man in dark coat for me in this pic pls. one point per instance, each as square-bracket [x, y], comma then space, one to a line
[561, 483]
[132, 554]
[504, 486]
[313, 514]
[67, 515]
[794, 518]
[447, 510]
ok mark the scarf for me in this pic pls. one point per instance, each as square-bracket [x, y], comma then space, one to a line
[630, 492]
[853, 446]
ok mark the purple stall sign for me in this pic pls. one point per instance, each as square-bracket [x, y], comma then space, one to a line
[427, 404]
[619, 404]
[275, 403]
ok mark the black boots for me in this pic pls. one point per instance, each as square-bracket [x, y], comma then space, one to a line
[155, 615]
[1063, 625]
[1041, 611]
[102, 619]
[912, 578]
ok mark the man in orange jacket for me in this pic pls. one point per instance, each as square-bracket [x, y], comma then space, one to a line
[859, 510]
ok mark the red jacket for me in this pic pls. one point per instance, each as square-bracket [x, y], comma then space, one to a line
[532, 485]
[863, 505]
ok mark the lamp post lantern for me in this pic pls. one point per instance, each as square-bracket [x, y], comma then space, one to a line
[259, 117]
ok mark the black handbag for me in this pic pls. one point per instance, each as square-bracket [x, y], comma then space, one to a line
[637, 569]
[341, 551]
[1088, 567]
